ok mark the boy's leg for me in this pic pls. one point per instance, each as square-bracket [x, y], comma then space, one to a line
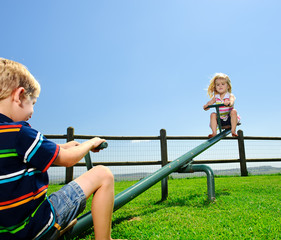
[100, 181]
[233, 116]
[213, 124]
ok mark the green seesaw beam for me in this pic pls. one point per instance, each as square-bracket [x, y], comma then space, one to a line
[85, 222]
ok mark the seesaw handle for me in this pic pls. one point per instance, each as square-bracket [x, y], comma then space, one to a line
[102, 145]
[216, 105]
[88, 160]
[218, 113]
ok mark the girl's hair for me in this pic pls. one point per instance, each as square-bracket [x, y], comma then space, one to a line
[212, 87]
[14, 75]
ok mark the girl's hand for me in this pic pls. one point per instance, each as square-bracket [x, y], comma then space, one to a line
[211, 102]
[205, 107]
[226, 102]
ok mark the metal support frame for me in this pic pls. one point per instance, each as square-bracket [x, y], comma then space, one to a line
[217, 106]
[218, 116]
[191, 168]
[89, 163]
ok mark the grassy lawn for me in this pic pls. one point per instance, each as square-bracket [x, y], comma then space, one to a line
[245, 208]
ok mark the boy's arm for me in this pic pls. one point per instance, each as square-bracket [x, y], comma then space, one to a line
[70, 156]
[211, 102]
[69, 144]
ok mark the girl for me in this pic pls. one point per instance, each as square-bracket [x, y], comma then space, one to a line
[219, 91]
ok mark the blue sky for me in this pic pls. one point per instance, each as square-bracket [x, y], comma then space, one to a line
[127, 67]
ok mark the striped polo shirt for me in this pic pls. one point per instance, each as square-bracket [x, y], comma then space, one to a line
[25, 156]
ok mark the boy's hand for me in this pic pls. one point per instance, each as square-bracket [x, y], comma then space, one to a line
[73, 152]
[96, 142]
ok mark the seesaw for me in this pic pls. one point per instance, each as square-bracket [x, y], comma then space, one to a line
[181, 164]
[220, 127]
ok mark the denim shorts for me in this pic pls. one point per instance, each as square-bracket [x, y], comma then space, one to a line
[68, 203]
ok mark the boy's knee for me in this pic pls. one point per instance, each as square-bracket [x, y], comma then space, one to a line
[104, 173]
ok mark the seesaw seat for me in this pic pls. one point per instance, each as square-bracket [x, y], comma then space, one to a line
[229, 126]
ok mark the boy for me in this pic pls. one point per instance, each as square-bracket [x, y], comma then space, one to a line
[25, 156]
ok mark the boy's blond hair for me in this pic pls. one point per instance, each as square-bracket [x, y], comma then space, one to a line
[212, 87]
[14, 75]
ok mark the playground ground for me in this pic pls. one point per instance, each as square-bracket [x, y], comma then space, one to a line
[245, 208]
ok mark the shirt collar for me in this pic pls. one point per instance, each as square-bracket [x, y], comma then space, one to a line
[4, 118]
[227, 95]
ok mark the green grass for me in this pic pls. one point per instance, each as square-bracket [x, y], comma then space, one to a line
[245, 208]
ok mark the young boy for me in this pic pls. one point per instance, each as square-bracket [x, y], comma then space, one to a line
[25, 156]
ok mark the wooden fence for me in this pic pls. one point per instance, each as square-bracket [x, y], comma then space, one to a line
[163, 138]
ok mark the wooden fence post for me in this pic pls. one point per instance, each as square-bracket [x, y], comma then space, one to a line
[164, 161]
[69, 170]
[242, 155]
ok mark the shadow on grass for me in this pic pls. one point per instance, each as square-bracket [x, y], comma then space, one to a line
[193, 200]
[223, 192]
[126, 218]
[139, 213]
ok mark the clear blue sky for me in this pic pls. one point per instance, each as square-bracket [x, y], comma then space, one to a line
[127, 67]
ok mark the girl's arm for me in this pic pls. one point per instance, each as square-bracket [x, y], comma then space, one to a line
[70, 155]
[211, 102]
[231, 101]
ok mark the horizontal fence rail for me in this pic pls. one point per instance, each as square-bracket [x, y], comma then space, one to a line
[163, 142]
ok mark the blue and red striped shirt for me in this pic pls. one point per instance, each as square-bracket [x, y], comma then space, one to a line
[25, 156]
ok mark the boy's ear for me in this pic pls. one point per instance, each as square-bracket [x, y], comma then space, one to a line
[17, 94]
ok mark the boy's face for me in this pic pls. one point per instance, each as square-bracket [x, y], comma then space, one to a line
[26, 109]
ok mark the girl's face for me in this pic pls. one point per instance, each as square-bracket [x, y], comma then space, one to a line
[221, 86]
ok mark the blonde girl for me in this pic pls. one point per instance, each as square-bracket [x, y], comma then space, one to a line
[220, 92]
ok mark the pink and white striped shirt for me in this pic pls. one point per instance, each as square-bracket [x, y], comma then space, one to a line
[224, 110]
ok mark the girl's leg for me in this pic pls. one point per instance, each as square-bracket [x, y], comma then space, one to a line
[233, 115]
[213, 125]
[100, 181]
